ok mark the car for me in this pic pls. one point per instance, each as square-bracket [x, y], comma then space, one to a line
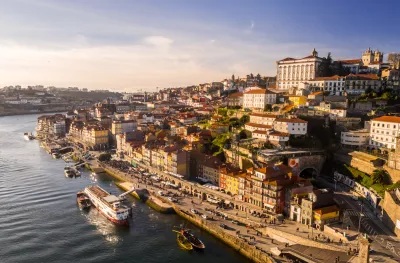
[354, 197]
[194, 211]
[161, 193]
[204, 216]
[223, 226]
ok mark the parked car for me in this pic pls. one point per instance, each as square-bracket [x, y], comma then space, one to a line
[223, 226]
[204, 216]
[194, 211]
[161, 193]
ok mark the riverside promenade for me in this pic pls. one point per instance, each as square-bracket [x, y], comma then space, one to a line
[257, 239]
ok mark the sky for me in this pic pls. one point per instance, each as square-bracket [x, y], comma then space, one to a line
[140, 45]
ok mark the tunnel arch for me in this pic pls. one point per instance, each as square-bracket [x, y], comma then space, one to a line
[308, 173]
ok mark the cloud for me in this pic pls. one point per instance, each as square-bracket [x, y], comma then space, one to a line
[252, 24]
[158, 41]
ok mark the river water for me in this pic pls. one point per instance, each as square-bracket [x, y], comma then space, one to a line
[40, 221]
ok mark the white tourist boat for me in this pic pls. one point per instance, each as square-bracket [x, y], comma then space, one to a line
[28, 136]
[109, 205]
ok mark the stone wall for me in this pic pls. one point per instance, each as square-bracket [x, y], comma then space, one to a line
[293, 239]
[391, 211]
[239, 245]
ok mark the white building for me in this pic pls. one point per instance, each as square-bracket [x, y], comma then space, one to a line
[384, 131]
[262, 118]
[355, 138]
[272, 136]
[250, 126]
[293, 126]
[291, 72]
[258, 98]
[335, 85]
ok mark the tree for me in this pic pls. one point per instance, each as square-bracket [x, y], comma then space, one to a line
[380, 176]
[251, 76]
[243, 134]
[268, 107]
[244, 119]
[394, 58]
[233, 78]
[104, 157]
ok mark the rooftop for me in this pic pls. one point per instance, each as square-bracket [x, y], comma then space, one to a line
[393, 119]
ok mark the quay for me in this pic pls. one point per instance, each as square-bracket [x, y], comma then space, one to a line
[273, 240]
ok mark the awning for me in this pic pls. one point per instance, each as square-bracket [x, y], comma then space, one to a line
[269, 206]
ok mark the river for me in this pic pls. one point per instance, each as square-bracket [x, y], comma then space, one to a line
[40, 221]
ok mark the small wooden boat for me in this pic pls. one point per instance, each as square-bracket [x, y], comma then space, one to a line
[83, 200]
[182, 241]
[193, 240]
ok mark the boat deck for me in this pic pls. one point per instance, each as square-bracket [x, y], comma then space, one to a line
[98, 191]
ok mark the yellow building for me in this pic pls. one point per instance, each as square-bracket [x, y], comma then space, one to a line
[99, 136]
[326, 215]
[232, 184]
[298, 100]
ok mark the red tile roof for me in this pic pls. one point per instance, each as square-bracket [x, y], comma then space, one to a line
[236, 95]
[257, 91]
[350, 61]
[281, 134]
[293, 120]
[393, 119]
[256, 125]
[263, 115]
[327, 78]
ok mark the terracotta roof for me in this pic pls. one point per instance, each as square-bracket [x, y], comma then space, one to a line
[258, 91]
[294, 120]
[327, 78]
[316, 93]
[365, 76]
[236, 94]
[263, 115]
[286, 59]
[327, 210]
[274, 171]
[277, 133]
[256, 125]
[350, 61]
[310, 56]
[260, 132]
[393, 119]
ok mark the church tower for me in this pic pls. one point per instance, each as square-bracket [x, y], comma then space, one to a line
[378, 56]
[367, 57]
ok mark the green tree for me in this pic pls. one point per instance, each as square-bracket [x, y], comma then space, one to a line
[244, 119]
[223, 111]
[268, 107]
[380, 176]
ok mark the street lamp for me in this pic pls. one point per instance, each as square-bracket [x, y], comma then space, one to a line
[359, 221]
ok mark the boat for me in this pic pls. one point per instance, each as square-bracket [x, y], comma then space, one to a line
[68, 173]
[194, 241]
[109, 205]
[182, 241]
[82, 200]
[28, 136]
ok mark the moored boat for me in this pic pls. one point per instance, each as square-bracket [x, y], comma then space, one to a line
[28, 136]
[193, 240]
[83, 200]
[109, 205]
[182, 241]
[68, 173]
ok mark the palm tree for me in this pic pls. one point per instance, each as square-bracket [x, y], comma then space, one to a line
[380, 176]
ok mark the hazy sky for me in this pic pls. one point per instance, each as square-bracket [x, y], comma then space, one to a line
[130, 45]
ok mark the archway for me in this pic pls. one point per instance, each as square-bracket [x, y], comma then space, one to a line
[308, 173]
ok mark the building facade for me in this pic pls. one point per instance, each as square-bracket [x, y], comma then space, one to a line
[258, 98]
[291, 72]
[384, 132]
